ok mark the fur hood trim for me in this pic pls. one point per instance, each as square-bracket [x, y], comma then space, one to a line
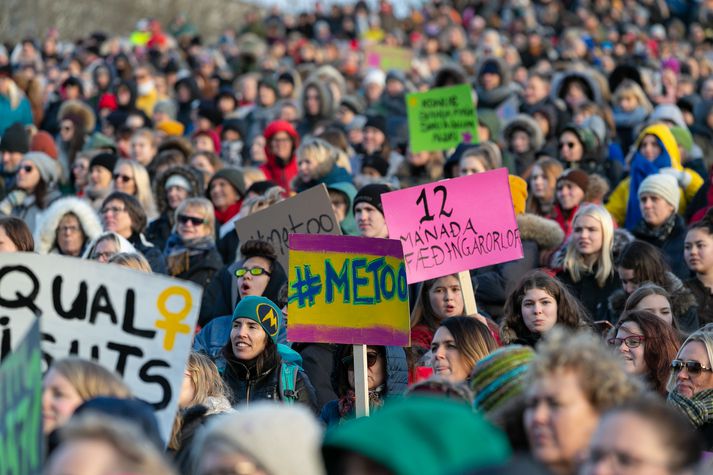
[682, 299]
[45, 240]
[78, 111]
[545, 232]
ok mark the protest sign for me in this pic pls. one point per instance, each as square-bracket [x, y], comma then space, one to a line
[454, 225]
[441, 118]
[136, 324]
[345, 289]
[310, 212]
[388, 57]
[21, 407]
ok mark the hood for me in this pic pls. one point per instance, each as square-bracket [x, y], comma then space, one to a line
[396, 371]
[545, 232]
[682, 299]
[560, 82]
[501, 67]
[46, 240]
[349, 226]
[326, 99]
[106, 67]
[666, 139]
[186, 172]
[273, 128]
[79, 113]
[450, 74]
[528, 124]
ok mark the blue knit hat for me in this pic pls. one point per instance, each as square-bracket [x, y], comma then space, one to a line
[261, 310]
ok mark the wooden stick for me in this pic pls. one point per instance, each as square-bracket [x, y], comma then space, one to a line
[361, 384]
[466, 288]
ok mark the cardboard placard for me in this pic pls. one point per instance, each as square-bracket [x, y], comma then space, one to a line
[346, 289]
[454, 225]
[388, 57]
[21, 407]
[309, 212]
[136, 324]
[441, 118]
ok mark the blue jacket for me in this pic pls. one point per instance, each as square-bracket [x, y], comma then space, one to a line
[8, 116]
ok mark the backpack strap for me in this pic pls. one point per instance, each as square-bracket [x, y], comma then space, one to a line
[287, 385]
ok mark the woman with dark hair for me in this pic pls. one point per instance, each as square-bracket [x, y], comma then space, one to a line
[386, 377]
[15, 236]
[35, 189]
[639, 263]
[122, 214]
[654, 299]
[458, 344]
[698, 253]
[438, 299]
[543, 184]
[537, 304]
[648, 345]
[251, 363]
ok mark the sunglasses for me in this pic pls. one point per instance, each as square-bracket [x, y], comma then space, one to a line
[371, 357]
[122, 178]
[26, 168]
[567, 144]
[185, 219]
[633, 341]
[254, 271]
[693, 367]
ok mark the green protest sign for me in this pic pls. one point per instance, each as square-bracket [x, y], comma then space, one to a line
[441, 118]
[21, 407]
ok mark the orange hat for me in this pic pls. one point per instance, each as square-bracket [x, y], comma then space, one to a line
[518, 191]
[43, 142]
[172, 128]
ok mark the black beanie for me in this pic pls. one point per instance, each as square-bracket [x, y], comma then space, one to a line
[15, 139]
[371, 194]
[376, 162]
[106, 160]
[376, 121]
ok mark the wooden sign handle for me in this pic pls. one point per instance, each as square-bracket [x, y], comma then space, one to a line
[361, 383]
[466, 288]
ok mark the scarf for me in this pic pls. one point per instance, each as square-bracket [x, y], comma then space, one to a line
[224, 216]
[640, 169]
[656, 234]
[346, 402]
[699, 408]
[178, 252]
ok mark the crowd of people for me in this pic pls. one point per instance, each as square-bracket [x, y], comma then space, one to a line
[592, 354]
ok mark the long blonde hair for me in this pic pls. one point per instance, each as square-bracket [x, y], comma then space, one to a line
[604, 265]
[14, 94]
[143, 186]
[90, 379]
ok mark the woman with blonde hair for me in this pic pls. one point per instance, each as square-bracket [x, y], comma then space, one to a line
[203, 394]
[317, 163]
[133, 179]
[72, 381]
[588, 268]
[132, 260]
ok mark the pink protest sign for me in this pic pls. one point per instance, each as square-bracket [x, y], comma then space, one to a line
[454, 225]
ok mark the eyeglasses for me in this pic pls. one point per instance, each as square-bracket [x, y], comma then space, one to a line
[185, 219]
[693, 367]
[112, 209]
[632, 341]
[567, 144]
[68, 229]
[254, 271]
[122, 178]
[26, 168]
[371, 357]
[98, 256]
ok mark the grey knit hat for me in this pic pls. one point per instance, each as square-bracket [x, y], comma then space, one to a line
[45, 165]
[663, 185]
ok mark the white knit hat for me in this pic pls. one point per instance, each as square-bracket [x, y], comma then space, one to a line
[662, 185]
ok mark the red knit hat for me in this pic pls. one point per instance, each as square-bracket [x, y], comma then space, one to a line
[108, 101]
[43, 142]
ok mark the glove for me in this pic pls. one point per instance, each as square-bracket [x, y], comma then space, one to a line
[683, 178]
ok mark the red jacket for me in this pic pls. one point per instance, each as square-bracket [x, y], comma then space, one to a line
[274, 169]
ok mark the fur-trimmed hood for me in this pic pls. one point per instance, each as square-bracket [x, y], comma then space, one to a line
[586, 76]
[527, 124]
[682, 299]
[188, 173]
[79, 113]
[545, 232]
[46, 237]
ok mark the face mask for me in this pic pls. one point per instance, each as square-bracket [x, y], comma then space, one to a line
[146, 88]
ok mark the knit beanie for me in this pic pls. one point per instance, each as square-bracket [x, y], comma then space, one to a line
[283, 439]
[371, 194]
[663, 185]
[172, 128]
[424, 435]
[106, 160]
[99, 141]
[233, 176]
[43, 142]
[45, 165]
[262, 311]
[518, 191]
[683, 137]
[376, 162]
[375, 76]
[14, 139]
[500, 377]
[578, 177]
[376, 121]
[179, 181]
[166, 106]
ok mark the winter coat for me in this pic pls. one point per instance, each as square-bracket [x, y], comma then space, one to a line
[409, 175]
[560, 81]
[318, 363]
[495, 282]
[671, 245]
[682, 299]
[28, 209]
[274, 169]
[46, 235]
[523, 162]
[21, 113]
[593, 297]
[199, 268]
[308, 123]
[248, 386]
[704, 299]
[348, 224]
[396, 383]
[152, 254]
[504, 99]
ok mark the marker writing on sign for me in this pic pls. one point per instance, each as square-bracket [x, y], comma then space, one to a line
[278, 237]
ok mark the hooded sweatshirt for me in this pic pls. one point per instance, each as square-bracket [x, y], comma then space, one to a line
[282, 173]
